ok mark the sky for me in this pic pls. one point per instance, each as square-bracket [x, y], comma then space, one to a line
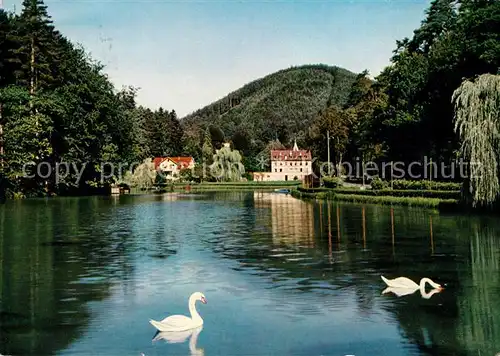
[185, 54]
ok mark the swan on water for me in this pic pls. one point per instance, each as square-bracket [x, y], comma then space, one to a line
[406, 283]
[182, 322]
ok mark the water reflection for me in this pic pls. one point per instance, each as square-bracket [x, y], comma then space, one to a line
[58, 255]
[372, 240]
[174, 337]
[400, 292]
[284, 210]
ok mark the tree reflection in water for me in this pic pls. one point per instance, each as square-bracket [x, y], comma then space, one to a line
[373, 240]
[56, 256]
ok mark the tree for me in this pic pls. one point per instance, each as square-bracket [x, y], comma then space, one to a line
[337, 122]
[477, 121]
[217, 136]
[176, 134]
[264, 156]
[34, 53]
[240, 141]
[207, 148]
[227, 165]
[143, 176]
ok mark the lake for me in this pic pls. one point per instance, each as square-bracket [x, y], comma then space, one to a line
[83, 276]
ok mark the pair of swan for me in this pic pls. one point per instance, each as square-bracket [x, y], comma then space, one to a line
[403, 286]
[399, 286]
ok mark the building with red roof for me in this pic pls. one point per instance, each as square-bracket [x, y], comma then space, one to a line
[171, 166]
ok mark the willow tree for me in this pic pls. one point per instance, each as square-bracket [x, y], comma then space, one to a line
[143, 176]
[227, 165]
[477, 121]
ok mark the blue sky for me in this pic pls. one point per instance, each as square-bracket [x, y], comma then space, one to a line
[185, 54]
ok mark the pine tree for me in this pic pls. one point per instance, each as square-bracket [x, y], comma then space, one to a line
[6, 76]
[175, 135]
[34, 39]
[207, 148]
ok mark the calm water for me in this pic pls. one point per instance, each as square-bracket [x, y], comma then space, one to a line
[82, 276]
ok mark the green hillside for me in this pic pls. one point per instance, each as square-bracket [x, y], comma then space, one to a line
[280, 105]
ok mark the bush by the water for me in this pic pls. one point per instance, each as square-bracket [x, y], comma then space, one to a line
[402, 184]
[378, 183]
[441, 194]
[332, 182]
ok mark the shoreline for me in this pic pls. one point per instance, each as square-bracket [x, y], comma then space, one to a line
[356, 196]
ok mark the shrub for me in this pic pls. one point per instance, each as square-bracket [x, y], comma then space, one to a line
[378, 183]
[401, 184]
[441, 194]
[332, 182]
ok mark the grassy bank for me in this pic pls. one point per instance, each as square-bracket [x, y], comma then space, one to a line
[361, 196]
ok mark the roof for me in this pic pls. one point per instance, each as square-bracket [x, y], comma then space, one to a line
[157, 161]
[291, 155]
[181, 162]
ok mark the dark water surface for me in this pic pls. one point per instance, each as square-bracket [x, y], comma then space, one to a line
[82, 276]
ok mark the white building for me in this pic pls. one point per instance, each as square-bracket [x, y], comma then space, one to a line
[292, 164]
[172, 166]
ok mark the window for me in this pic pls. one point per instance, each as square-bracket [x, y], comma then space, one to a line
[281, 170]
[301, 169]
[275, 170]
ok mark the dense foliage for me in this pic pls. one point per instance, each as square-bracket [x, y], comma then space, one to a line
[457, 40]
[60, 113]
[477, 120]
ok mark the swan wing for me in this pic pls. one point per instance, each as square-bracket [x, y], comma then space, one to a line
[176, 320]
[173, 323]
[400, 282]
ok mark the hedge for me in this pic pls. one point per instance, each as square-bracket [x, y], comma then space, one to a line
[448, 204]
[401, 184]
[442, 194]
[332, 182]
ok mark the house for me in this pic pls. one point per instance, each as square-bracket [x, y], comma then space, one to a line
[170, 167]
[294, 164]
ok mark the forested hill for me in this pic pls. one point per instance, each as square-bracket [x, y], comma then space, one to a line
[280, 105]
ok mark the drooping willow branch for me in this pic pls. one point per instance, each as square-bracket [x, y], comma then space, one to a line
[477, 121]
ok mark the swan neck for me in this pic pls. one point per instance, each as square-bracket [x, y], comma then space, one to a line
[423, 281]
[192, 309]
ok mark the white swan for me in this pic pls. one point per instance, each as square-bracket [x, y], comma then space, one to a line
[405, 291]
[181, 322]
[406, 283]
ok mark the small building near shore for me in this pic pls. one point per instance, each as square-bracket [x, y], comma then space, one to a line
[294, 164]
[170, 167]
